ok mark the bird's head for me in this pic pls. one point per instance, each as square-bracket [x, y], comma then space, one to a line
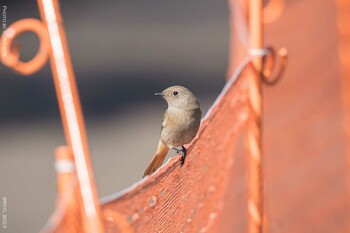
[179, 97]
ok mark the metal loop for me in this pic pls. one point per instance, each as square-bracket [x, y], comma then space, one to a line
[269, 64]
[10, 57]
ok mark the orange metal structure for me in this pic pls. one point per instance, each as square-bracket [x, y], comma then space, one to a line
[254, 134]
[12, 54]
[174, 199]
[71, 114]
[343, 9]
[53, 44]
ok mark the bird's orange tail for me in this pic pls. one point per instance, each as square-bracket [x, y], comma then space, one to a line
[157, 159]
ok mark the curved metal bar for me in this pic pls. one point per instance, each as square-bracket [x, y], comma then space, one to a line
[254, 133]
[11, 57]
[270, 75]
[71, 113]
[53, 44]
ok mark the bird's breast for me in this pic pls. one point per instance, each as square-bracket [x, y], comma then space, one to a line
[181, 126]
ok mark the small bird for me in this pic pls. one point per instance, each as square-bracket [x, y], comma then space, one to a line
[180, 124]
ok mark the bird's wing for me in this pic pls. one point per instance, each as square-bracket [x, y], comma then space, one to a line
[164, 121]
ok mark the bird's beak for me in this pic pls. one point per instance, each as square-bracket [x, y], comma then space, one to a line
[161, 94]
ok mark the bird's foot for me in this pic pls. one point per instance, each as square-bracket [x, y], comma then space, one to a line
[183, 153]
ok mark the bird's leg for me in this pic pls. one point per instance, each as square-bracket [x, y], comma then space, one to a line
[183, 153]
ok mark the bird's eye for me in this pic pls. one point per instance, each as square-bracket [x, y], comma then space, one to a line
[175, 93]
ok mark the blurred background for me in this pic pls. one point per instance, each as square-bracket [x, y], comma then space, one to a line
[122, 53]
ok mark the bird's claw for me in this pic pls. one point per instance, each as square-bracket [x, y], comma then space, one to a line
[183, 153]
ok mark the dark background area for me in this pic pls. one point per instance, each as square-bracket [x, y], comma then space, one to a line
[122, 52]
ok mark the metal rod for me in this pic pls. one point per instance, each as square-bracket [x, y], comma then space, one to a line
[254, 134]
[71, 113]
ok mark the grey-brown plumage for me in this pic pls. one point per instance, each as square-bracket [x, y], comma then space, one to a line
[180, 124]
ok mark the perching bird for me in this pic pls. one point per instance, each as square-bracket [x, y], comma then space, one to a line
[179, 126]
